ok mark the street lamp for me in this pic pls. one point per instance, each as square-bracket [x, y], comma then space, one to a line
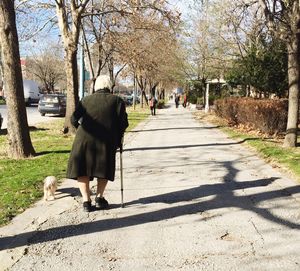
[206, 110]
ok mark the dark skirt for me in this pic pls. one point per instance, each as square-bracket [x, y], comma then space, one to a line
[91, 157]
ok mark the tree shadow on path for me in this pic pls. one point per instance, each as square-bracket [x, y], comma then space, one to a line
[175, 128]
[186, 146]
[223, 197]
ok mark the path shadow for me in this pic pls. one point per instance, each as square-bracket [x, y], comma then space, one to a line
[223, 197]
[48, 152]
[174, 128]
[34, 128]
[201, 191]
[55, 116]
[68, 192]
[188, 146]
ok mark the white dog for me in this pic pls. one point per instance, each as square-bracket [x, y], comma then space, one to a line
[50, 186]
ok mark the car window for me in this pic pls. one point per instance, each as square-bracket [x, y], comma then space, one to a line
[50, 99]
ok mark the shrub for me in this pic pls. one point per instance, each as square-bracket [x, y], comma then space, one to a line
[160, 104]
[192, 99]
[226, 108]
[267, 116]
[200, 100]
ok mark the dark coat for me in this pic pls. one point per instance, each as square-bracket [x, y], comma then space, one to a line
[101, 119]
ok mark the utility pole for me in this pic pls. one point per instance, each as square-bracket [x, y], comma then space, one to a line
[207, 97]
[207, 81]
[134, 91]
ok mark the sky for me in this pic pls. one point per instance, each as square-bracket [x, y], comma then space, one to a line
[31, 46]
[183, 6]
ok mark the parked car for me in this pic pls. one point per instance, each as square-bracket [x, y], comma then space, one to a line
[127, 99]
[1, 120]
[52, 104]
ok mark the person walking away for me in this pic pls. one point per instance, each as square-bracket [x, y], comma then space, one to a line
[184, 100]
[152, 105]
[177, 100]
[101, 120]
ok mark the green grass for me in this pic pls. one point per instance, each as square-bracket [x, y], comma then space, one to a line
[2, 101]
[136, 116]
[270, 148]
[21, 180]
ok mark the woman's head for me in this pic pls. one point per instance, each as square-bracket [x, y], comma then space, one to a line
[103, 82]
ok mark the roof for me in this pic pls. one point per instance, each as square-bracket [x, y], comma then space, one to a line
[216, 81]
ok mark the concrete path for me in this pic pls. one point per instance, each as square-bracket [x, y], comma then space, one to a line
[195, 200]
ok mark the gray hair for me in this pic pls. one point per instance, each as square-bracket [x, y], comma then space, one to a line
[102, 82]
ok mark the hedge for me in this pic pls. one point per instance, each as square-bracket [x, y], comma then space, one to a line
[266, 115]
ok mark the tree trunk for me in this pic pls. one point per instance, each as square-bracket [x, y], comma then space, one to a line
[72, 87]
[142, 84]
[144, 97]
[290, 139]
[111, 74]
[153, 89]
[20, 144]
[69, 24]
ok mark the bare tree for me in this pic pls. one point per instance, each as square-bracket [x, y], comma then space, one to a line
[69, 20]
[114, 29]
[17, 126]
[210, 44]
[46, 68]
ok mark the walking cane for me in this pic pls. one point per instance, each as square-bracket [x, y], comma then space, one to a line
[121, 173]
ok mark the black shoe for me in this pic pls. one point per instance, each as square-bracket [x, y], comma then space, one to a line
[101, 203]
[87, 206]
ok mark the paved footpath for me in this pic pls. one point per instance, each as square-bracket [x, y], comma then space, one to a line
[195, 200]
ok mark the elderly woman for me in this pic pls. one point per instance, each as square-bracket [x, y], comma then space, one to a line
[101, 120]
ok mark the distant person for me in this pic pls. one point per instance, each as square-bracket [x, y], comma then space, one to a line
[101, 120]
[177, 98]
[184, 100]
[152, 105]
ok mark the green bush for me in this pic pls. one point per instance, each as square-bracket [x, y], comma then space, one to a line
[212, 98]
[160, 104]
[200, 100]
[192, 99]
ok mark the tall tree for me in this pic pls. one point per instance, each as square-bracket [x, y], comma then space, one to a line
[283, 18]
[263, 67]
[69, 20]
[207, 42]
[125, 35]
[20, 145]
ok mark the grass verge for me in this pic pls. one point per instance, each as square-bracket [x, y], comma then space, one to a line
[269, 148]
[21, 181]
